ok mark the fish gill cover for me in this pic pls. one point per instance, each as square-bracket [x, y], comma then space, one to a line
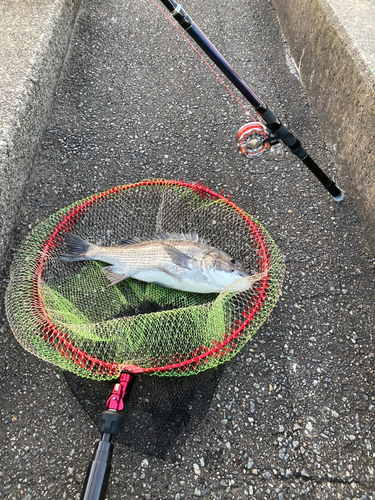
[67, 314]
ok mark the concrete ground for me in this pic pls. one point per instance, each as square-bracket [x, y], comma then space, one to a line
[293, 414]
[34, 38]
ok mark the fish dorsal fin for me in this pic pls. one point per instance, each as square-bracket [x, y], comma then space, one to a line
[162, 236]
[132, 241]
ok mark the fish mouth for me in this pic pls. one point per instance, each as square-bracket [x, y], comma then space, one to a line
[241, 274]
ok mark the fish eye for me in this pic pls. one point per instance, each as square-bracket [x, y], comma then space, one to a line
[232, 261]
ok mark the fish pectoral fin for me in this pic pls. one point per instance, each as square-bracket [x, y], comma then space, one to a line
[177, 257]
[112, 276]
[166, 271]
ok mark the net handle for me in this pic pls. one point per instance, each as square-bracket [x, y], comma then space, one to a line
[97, 477]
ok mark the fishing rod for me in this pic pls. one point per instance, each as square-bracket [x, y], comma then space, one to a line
[253, 138]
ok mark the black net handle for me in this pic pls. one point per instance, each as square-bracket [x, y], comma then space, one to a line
[97, 476]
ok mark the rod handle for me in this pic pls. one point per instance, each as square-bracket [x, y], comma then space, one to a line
[297, 149]
[330, 185]
[97, 476]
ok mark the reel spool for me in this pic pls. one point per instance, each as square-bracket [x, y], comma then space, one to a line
[252, 139]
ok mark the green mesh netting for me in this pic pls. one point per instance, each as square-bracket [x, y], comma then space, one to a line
[66, 313]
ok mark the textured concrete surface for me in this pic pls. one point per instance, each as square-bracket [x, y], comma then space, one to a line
[34, 37]
[293, 414]
[332, 44]
[358, 19]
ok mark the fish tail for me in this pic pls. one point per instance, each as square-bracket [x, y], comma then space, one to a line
[78, 249]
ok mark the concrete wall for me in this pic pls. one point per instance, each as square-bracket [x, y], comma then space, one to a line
[34, 38]
[341, 88]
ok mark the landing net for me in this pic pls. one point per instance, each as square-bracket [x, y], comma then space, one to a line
[66, 314]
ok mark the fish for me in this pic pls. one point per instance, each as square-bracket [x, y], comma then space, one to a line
[178, 261]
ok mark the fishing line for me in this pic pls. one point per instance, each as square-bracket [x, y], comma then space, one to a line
[204, 60]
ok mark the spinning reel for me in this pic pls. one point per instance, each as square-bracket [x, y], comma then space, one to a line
[253, 139]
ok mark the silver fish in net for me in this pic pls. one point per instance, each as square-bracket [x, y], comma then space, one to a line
[179, 261]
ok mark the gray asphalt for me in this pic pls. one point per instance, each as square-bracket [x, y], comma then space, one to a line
[293, 414]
